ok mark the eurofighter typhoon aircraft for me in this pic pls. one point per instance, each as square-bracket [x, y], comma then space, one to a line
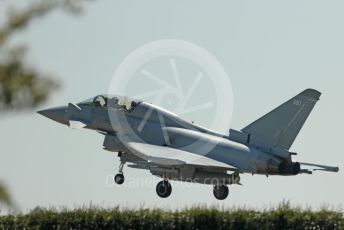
[152, 138]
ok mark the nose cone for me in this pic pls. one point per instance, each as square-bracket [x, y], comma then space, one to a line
[57, 114]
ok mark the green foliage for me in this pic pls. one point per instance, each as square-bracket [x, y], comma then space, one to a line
[5, 198]
[20, 18]
[22, 86]
[284, 217]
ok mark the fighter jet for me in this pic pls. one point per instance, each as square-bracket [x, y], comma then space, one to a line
[149, 137]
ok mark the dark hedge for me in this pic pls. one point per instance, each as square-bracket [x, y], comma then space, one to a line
[194, 218]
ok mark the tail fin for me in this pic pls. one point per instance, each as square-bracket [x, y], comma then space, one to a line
[279, 128]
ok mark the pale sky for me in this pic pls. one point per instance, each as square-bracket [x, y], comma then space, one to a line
[272, 50]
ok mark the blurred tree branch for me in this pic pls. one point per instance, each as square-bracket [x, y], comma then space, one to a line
[22, 86]
[5, 199]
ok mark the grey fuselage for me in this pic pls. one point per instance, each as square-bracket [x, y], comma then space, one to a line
[154, 125]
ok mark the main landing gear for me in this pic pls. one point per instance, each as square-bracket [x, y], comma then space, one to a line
[220, 191]
[119, 178]
[164, 189]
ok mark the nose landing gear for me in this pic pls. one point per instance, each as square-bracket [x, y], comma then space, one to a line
[119, 178]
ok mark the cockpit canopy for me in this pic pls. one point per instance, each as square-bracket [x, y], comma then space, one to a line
[115, 102]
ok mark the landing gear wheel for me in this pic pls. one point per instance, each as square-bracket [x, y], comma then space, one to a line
[119, 178]
[220, 192]
[164, 189]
